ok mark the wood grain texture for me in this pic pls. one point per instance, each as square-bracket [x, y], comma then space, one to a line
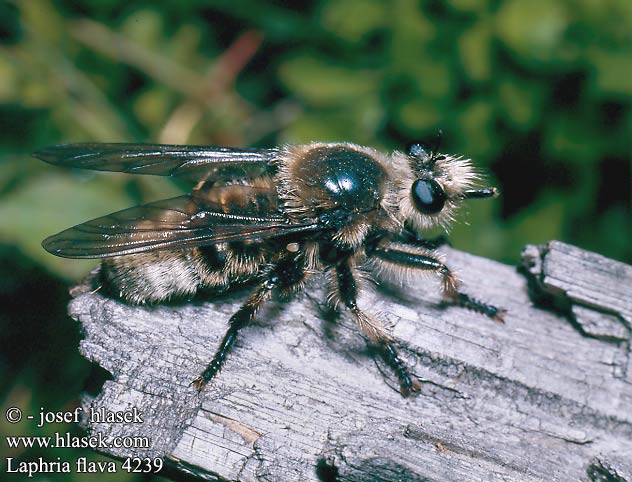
[546, 396]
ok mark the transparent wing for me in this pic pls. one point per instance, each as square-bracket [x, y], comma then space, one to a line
[195, 163]
[181, 222]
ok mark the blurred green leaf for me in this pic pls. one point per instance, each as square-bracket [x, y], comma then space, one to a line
[475, 51]
[144, 26]
[354, 19]
[53, 202]
[539, 223]
[321, 84]
[475, 123]
[534, 30]
[564, 138]
[153, 106]
[418, 116]
[360, 122]
[612, 71]
[520, 102]
[8, 78]
[469, 5]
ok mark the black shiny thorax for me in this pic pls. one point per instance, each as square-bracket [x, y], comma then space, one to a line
[340, 177]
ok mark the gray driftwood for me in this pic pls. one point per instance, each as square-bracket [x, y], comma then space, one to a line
[546, 396]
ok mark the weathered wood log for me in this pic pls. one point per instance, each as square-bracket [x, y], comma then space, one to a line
[546, 396]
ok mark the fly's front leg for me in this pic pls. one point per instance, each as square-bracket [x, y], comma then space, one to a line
[372, 328]
[285, 274]
[449, 283]
[409, 236]
[466, 301]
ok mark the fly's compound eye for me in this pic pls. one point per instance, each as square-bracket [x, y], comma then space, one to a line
[428, 196]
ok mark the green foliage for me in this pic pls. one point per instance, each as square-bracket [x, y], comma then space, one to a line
[538, 93]
[492, 74]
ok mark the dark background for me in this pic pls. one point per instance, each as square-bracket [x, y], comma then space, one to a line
[538, 93]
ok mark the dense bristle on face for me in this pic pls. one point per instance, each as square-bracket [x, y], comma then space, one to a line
[454, 174]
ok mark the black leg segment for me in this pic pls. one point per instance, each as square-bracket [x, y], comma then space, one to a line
[449, 282]
[287, 272]
[425, 261]
[466, 301]
[408, 383]
[347, 291]
[241, 318]
[409, 236]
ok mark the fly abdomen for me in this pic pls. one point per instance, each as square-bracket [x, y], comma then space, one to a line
[244, 259]
[153, 276]
[212, 263]
[254, 196]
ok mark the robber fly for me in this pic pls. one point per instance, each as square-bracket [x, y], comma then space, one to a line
[273, 217]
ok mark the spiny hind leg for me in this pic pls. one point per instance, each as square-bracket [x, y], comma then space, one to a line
[286, 275]
[449, 282]
[346, 288]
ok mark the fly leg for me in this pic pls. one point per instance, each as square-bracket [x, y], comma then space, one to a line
[449, 283]
[346, 288]
[285, 275]
[409, 236]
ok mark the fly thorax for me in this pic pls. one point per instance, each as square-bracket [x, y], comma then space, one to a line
[338, 181]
